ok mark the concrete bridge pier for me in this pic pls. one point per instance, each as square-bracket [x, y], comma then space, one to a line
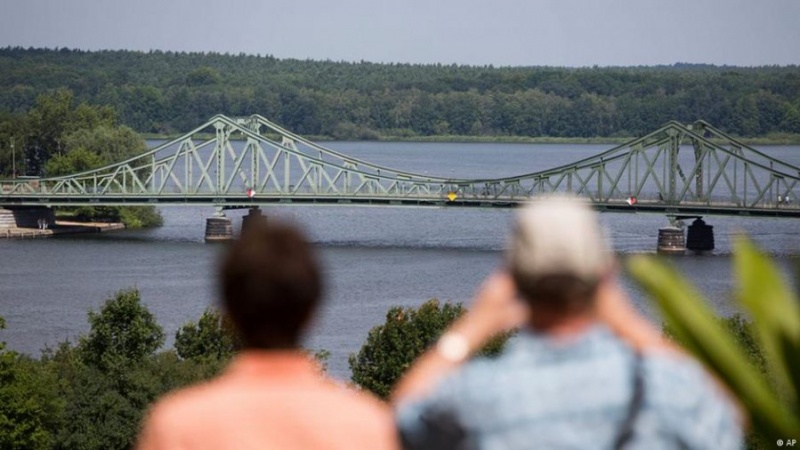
[34, 217]
[698, 237]
[218, 227]
[253, 217]
[671, 240]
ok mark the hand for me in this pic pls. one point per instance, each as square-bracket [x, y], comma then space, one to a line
[495, 310]
[616, 311]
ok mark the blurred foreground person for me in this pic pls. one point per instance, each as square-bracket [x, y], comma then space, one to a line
[273, 394]
[585, 371]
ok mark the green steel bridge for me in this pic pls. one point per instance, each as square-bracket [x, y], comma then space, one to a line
[227, 162]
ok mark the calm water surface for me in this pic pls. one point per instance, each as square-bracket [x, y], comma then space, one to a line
[374, 257]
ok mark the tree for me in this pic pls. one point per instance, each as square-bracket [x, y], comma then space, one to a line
[52, 119]
[210, 337]
[29, 402]
[47, 123]
[203, 76]
[104, 409]
[111, 144]
[12, 129]
[76, 161]
[109, 380]
[391, 348]
[92, 141]
[98, 411]
[122, 333]
[30, 406]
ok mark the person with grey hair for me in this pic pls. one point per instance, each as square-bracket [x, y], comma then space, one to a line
[586, 369]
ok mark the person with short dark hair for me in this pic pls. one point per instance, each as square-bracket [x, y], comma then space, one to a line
[272, 395]
[271, 286]
[585, 370]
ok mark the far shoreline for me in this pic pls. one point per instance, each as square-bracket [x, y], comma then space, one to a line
[782, 139]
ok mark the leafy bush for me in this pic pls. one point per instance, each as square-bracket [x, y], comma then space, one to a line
[140, 216]
[210, 337]
[391, 348]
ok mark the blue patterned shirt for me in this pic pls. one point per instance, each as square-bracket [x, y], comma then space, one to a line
[546, 394]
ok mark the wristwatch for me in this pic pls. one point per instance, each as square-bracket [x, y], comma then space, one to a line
[453, 347]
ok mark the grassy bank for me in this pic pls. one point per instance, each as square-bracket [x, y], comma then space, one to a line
[131, 216]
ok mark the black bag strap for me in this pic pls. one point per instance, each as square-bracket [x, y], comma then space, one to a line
[625, 432]
[443, 431]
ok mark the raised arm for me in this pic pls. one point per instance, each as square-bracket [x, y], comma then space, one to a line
[494, 310]
[614, 308]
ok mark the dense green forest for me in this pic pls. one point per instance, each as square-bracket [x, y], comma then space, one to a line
[168, 92]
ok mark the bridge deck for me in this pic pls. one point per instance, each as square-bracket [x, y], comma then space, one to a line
[242, 201]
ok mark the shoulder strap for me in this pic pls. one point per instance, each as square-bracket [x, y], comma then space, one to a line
[625, 432]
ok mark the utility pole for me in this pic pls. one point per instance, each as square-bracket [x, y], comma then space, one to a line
[13, 159]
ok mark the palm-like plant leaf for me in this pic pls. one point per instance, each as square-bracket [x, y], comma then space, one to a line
[775, 314]
[694, 323]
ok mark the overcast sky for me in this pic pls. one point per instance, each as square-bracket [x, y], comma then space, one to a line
[477, 32]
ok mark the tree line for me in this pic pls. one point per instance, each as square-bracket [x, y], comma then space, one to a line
[173, 92]
[93, 393]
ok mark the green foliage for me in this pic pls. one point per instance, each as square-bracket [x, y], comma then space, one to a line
[97, 413]
[93, 396]
[140, 216]
[203, 76]
[47, 122]
[165, 92]
[30, 406]
[29, 402]
[64, 140]
[103, 409]
[741, 330]
[52, 118]
[110, 144]
[93, 213]
[211, 337]
[322, 356]
[13, 129]
[348, 131]
[122, 332]
[770, 396]
[391, 348]
[131, 216]
[776, 317]
[77, 160]
[744, 335]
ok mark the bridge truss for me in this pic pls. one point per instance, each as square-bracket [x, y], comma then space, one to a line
[233, 162]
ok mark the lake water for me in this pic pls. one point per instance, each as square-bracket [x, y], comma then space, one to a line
[374, 257]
